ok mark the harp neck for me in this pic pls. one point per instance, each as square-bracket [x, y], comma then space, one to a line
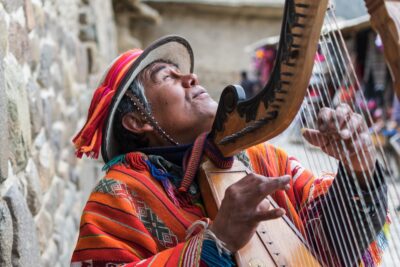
[242, 123]
[385, 19]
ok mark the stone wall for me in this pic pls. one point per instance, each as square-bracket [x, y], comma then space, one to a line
[51, 55]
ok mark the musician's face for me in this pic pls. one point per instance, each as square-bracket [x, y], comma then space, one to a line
[182, 107]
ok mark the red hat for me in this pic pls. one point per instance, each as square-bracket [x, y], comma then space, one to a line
[98, 130]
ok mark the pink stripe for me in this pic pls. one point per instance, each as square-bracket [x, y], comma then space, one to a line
[122, 64]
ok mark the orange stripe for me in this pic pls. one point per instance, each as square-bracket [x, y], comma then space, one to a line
[124, 231]
[161, 259]
[112, 202]
[121, 74]
[104, 241]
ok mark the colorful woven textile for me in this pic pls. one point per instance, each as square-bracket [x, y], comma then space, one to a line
[130, 218]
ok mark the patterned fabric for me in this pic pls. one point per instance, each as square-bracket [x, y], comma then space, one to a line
[130, 219]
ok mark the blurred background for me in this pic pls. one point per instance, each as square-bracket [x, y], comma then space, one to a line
[53, 53]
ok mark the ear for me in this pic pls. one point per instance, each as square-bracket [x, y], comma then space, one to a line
[133, 123]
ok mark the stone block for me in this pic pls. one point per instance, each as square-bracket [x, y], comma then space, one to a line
[18, 37]
[50, 256]
[47, 58]
[3, 29]
[25, 250]
[19, 126]
[82, 63]
[40, 19]
[29, 15]
[48, 99]
[34, 191]
[44, 228]
[4, 127]
[46, 166]
[55, 195]
[35, 107]
[12, 5]
[6, 234]
[87, 34]
[34, 58]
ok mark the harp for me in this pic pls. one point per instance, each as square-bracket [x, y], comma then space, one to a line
[241, 123]
[385, 19]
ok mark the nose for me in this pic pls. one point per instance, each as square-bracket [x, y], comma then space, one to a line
[190, 80]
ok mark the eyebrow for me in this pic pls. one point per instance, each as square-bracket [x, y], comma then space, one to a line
[156, 70]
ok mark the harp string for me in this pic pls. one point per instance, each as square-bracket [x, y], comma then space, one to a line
[337, 80]
[337, 194]
[335, 77]
[393, 192]
[382, 153]
[330, 213]
[337, 83]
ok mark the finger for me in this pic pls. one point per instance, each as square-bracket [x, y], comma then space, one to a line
[343, 113]
[363, 143]
[270, 185]
[354, 125]
[325, 119]
[269, 215]
[315, 137]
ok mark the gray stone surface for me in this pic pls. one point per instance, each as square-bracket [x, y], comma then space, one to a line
[4, 129]
[46, 59]
[19, 128]
[35, 107]
[12, 5]
[6, 235]
[55, 195]
[3, 29]
[44, 227]
[25, 250]
[19, 42]
[46, 166]
[34, 191]
[29, 15]
[50, 256]
[34, 44]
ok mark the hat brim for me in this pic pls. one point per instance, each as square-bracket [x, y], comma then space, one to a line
[170, 48]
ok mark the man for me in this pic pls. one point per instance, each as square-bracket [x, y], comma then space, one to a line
[146, 115]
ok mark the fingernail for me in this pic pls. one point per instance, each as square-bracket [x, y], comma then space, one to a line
[287, 187]
[345, 134]
[280, 212]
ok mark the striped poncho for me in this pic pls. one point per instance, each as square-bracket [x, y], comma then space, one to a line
[132, 219]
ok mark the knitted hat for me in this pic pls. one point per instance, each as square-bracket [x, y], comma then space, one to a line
[98, 130]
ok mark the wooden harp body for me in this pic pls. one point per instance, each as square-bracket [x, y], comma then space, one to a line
[242, 123]
[385, 19]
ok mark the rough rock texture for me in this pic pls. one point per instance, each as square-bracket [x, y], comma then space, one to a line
[25, 251]
[6, 234]
[50, 60]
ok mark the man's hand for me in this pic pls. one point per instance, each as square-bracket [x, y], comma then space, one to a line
[344, 135]
[244, 207]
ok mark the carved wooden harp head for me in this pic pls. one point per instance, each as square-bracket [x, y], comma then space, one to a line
[385, 19]
[241, 123]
